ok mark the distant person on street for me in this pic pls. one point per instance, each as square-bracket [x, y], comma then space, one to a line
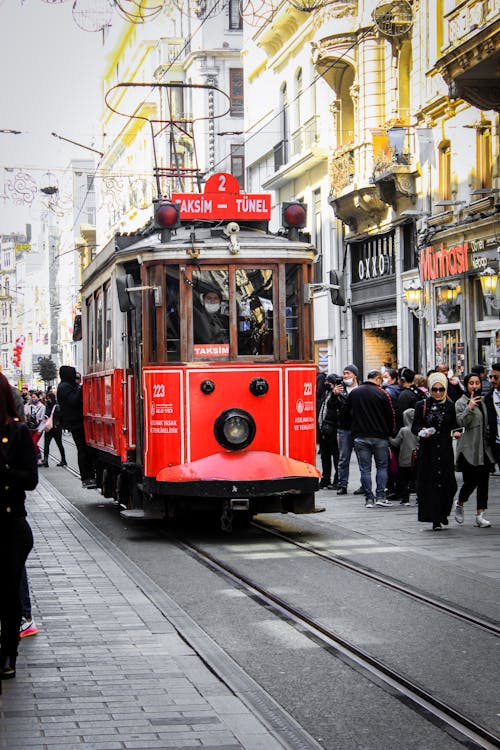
[34, 412]
[69, 398]
[372, 422]
[406, 443]
[18, 473]
[474, 456]
[340, 392]
[55, 433]
[486, 386]
[408, 396]
[492, 401]
[327, 435]
[435, 423]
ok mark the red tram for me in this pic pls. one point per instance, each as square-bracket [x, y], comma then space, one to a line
[199, 383]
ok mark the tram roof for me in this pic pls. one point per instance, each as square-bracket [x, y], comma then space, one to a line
[211, 241]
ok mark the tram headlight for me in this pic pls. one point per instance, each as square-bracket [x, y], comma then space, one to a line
[234, 429]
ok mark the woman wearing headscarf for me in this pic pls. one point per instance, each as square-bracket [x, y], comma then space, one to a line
[18, 473]
[434, 422]
[474, 454]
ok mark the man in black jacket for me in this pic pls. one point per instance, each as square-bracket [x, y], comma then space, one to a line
[372, 422]
[69, 398]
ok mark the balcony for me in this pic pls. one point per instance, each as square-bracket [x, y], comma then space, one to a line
[354, 198]
[471, 53]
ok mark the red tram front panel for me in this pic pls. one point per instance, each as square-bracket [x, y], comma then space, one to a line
[179, 417]
[163, 419]
[232, 390]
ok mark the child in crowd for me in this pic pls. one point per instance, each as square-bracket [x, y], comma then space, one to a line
[407, 443]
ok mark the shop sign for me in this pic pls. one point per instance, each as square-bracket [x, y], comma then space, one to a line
[437, 263]
[374, 267]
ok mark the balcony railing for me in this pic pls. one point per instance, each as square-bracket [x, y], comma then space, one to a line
[341, 169]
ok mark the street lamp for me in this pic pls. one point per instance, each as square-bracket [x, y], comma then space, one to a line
[414, 297]
[489, 284]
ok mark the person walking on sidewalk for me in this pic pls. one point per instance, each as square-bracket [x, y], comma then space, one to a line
[55, 433]
[435, 423]
[372, 422]
[70, 400]
[18, 473]
[474, 454]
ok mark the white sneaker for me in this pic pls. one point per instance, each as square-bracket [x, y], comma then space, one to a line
[482, 522]
[459, 513]
[383, 502]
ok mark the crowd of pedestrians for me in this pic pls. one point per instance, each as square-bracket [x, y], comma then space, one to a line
[418, 430]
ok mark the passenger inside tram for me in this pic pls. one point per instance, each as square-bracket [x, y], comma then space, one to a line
[211, 326]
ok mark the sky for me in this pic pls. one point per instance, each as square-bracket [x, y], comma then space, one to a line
[49, 82]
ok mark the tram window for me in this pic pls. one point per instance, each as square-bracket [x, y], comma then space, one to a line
[210, 314]
[99, 328]
[292, 313]
[90, 333]
[254, 301]
[173, 315]
[107, 324]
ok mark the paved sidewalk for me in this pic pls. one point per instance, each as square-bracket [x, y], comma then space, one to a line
[108, 670]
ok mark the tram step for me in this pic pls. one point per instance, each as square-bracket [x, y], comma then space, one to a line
[138, 514]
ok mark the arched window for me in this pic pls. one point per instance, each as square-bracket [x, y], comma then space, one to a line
[298, 103]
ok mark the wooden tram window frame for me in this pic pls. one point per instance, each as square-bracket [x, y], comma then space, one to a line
[157, 277]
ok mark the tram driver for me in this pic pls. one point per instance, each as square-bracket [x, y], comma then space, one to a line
[210, 325]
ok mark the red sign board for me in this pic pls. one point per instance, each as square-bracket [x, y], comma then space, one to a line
[222, 199]
[439, 262]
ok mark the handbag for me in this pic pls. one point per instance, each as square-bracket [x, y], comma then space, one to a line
[49, 422]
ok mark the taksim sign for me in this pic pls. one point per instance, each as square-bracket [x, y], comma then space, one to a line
[222, 199]
[436, 263]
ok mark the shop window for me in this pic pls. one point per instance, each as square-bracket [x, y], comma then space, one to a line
[236, 92]
[486, 308]
[445, 171]
[448, 304]
[450, 350]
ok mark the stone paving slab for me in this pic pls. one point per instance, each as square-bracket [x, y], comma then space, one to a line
[107, 669]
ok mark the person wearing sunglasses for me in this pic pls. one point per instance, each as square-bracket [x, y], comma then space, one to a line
[435, 423]
[492, 403]
[474, 454]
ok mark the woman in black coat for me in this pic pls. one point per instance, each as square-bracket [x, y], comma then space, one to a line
[434, 422]
[18, 472]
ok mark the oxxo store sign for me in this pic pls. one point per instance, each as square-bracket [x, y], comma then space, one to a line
[439, 262]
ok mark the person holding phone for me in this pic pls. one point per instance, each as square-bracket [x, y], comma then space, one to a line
[435, 423]
[474, 454]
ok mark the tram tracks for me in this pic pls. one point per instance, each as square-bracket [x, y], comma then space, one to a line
[423, 700]
[384, 580]
[450, 719]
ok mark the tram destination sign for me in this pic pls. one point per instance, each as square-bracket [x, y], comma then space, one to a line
[222, 199]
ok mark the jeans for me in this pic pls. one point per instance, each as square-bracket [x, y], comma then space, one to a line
[24, 594]
[345, 450]
[365, 448]
[85, 454]
[328, 449]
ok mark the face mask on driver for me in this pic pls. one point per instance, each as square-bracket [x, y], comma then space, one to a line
[212, 307]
